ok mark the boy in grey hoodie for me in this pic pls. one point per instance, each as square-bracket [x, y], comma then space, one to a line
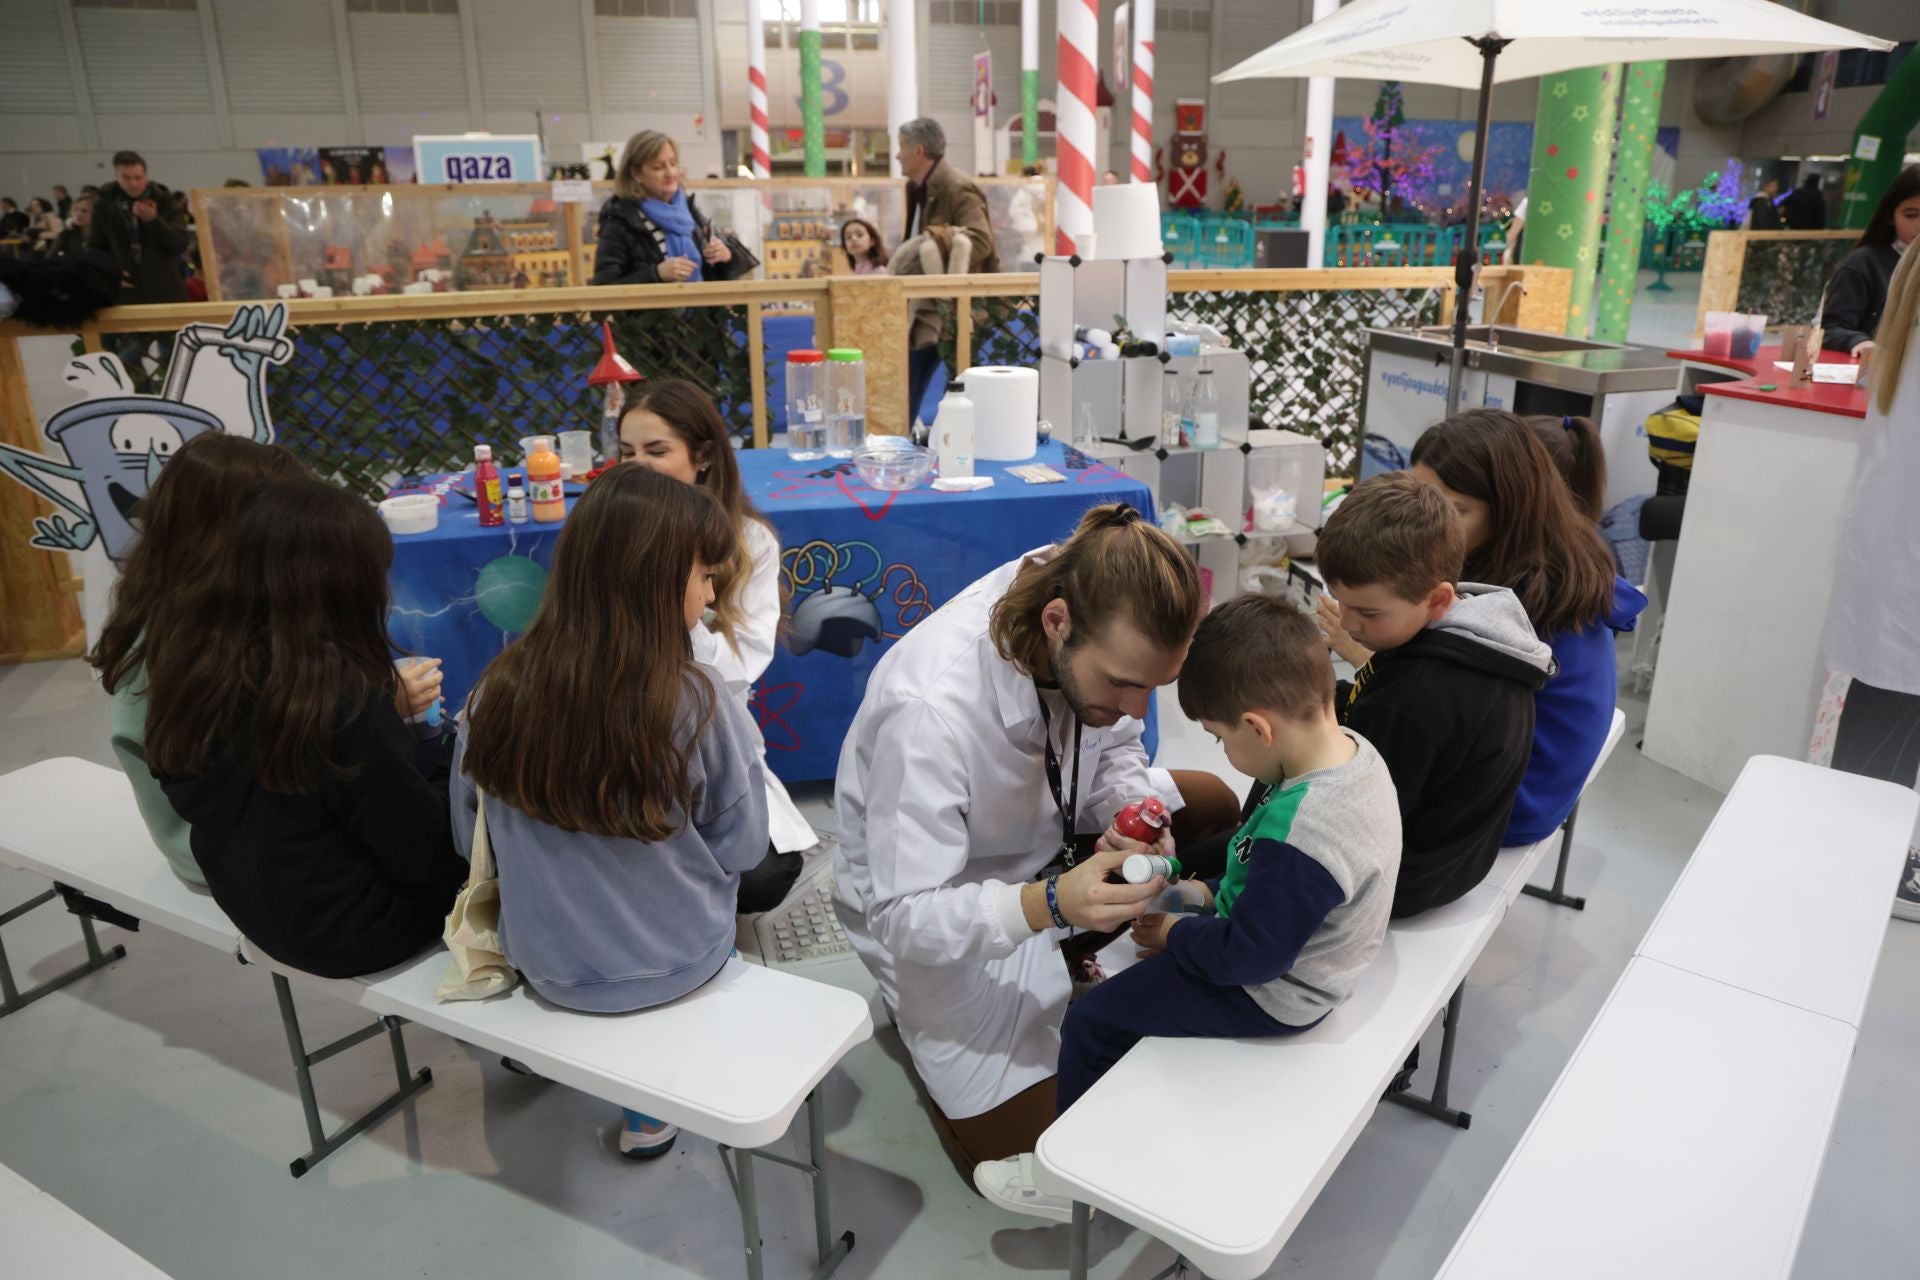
[1447, 696]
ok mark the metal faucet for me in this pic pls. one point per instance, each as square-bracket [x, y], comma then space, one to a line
[1493, 312]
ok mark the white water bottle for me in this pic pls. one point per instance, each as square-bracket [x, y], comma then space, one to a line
[1206, 410]
[953, 428]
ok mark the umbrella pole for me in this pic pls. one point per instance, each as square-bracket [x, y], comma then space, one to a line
[1490, 47]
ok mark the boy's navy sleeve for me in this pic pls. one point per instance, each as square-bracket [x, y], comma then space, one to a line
[1286, 898]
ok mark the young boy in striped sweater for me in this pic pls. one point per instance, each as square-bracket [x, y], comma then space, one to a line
[1303, 904]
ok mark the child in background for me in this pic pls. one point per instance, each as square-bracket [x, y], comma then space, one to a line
[1574, 445]
[186, 524]
[1303, 904]
[861, 240]
[1445, 686]
[1526, 530]
[622, 784]
[672, 427]
[278, 733]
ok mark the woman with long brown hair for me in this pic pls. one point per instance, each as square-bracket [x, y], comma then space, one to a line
[672, 427]
[185, 524]
[622, 785]
[319, 822]
[1525, 531]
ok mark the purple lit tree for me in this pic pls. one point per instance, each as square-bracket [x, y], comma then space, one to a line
[1387, 160]
[1721, 200]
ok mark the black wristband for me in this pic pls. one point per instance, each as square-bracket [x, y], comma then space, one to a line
[1053, 901]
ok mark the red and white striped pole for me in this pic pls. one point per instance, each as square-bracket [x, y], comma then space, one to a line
[1074, 106]
[1143, 90]
[757, 92]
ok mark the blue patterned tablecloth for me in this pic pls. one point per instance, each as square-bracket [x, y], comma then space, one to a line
[861, 568]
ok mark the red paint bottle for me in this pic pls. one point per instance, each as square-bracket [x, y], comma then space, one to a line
[486, 487]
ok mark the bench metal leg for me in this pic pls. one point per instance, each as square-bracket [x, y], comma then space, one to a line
[12, 998]
[304, 1062]
[739, 1169]
[1558, 894]
[1436, 1106]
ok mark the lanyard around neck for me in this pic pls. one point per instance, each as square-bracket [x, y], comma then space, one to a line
[1068, 806]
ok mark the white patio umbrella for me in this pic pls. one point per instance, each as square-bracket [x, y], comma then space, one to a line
[1469, 43]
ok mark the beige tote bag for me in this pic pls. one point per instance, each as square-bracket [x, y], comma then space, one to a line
[479, 967]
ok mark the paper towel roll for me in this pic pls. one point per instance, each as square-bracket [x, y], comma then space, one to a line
[1126, 218]
[1006, 412]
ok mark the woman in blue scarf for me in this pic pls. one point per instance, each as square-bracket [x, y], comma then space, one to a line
[652, 232]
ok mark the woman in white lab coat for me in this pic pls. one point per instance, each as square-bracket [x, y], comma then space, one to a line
[999, 730]
[672, 427]
[1873, 620]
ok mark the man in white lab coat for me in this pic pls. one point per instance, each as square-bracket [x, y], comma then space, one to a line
[994, 743]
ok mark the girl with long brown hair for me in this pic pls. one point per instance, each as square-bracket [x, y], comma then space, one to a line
[1526, 531]
[319, 822]
[185, 524]
[672, 427]
[622, 785]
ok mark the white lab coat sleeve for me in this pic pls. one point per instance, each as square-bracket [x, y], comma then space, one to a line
[745, 660]
[1121, 777]
[916, 844]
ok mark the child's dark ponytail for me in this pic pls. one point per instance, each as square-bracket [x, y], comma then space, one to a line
[1574, 445]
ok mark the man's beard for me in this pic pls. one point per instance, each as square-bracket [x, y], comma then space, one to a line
[1070, 691]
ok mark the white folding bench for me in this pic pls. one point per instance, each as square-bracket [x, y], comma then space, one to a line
[44, 1237]
[1300, 1102]
[1685, 1137]
[733, 1061]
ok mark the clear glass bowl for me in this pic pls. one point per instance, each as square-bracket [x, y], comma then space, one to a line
[889, 462]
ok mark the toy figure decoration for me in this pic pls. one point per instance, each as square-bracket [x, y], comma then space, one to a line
[115, 442]
[1187, 182]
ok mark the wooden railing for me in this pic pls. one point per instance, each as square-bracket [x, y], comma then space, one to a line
[39, 617]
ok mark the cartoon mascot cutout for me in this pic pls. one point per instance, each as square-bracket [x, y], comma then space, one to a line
[116, 442]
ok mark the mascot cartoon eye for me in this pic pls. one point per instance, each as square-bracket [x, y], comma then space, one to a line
[144, 433]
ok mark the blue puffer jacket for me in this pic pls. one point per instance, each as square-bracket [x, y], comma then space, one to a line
[1571, 715]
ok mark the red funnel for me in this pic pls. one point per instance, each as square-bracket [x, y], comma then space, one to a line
[612, 367]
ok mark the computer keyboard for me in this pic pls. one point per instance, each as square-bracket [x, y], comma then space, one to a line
[802, 931]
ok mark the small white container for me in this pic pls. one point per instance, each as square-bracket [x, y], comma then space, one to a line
[411, 513]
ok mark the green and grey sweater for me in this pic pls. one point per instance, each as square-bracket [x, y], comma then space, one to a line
[1303, 905]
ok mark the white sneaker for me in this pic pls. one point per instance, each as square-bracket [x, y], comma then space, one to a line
[1009, 1184]
[638, 1143]
[1906, 899]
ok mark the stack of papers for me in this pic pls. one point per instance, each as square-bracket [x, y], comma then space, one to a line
[1847, 373]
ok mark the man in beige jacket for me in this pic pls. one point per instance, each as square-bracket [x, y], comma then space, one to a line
[948, 232]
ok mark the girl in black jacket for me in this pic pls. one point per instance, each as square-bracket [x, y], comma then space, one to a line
[1858, 292]
[652, 232]
[321, 826]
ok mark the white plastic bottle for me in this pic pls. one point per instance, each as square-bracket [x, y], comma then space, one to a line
[1206, 410]
[953, 428]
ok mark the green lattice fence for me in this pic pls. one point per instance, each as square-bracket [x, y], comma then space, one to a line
[1005, 331]
[1306, 352]
[364, 404]
[1783, 279]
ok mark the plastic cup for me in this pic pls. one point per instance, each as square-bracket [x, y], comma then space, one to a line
[1719, 334]
[576, 451]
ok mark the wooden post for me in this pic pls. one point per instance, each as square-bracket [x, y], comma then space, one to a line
[576, 245]
[870, 312]
[962, 334]
[41, 618]
[757, 356]
[209, 257]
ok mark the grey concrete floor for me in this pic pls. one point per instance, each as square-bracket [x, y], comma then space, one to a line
[156, 1099]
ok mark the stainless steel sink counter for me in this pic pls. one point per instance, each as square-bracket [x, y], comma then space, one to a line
[1547, 359]
[1523, 371]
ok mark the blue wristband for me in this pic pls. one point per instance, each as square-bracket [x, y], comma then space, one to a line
[1053, 902]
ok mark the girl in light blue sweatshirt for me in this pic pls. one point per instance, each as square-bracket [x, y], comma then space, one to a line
[623, 787]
